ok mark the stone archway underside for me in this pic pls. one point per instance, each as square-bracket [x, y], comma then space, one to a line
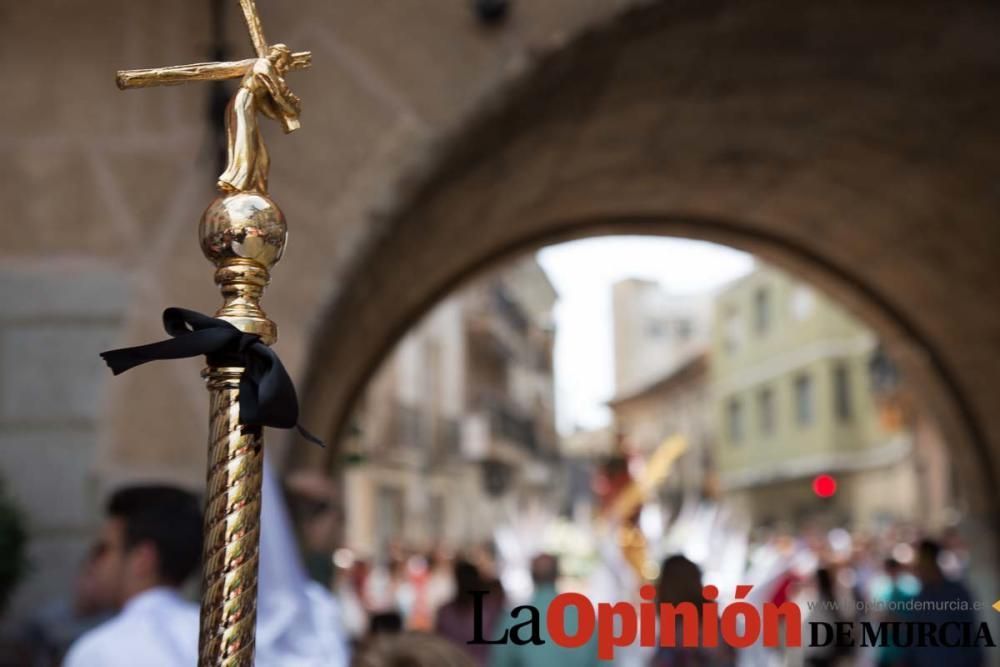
[857, 148]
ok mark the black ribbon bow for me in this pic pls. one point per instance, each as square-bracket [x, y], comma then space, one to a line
[267, 395]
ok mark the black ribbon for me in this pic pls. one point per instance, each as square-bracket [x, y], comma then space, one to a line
[267, 395]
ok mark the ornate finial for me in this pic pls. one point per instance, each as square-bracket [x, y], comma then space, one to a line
[242, 232]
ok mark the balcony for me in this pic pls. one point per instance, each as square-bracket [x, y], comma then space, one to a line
[502, 325]
[409, 434]
[509, 310]
[495, 429]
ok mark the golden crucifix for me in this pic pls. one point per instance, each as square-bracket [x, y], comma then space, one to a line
[262, 89]
[243, 233]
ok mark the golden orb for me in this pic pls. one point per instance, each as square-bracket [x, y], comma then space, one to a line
[244, 225]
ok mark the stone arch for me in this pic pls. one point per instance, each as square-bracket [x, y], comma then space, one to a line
[853, 147]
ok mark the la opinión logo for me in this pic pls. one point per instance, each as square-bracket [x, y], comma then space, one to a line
[739, 624]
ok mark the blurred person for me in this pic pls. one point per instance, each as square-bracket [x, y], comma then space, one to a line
[455, 620]
[299, 621]
[401, 586]
[777, 566]
[386, 587]
[826, 610]
[955, 553]
[385, 623]
[941, 600]
[153, 540]
[544, 573]
[484, 557]
[418, 574]
[312, 501]
[49, 633]
[680, 581]
[91, 596]
[411, 649]
[358, 577]
[379, 594]
[347, 585]
[865, 570]
[440, 584]
[895, 589]
[487, 562]
[150, 544]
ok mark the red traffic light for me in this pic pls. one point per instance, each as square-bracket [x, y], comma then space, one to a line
[824, 486]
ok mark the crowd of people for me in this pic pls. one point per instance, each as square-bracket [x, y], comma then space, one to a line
[832, 576]
[132, 602]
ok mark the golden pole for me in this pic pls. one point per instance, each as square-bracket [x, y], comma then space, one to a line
[243, 233]
[232, 528]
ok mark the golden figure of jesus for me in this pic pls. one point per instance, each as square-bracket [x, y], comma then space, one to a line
[262, 89]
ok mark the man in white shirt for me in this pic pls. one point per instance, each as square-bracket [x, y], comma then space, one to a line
[150, 544]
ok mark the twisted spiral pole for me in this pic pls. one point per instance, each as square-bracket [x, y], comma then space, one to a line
[243, 234]
[232, 528]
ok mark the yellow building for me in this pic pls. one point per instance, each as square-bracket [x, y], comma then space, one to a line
[796, 415]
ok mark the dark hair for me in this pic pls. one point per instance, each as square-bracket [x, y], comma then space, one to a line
[680, 581]
[411, 649]
[386, 622]
[467, 581]
[824, 583]
[168, 518]
[929, 549]
[544, 569]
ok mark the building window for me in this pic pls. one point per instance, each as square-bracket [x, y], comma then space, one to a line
[656, 329]
[804, 412]
[684, 329]
[732, 330]
[765, 411]
[842, 392]
[437, 514]
[762, 310]
[389, 510]
[734, 418]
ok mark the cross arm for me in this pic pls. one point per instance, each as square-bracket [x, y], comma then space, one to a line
[174, 75]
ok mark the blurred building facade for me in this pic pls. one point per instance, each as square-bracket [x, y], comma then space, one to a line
[939, 501]
[793, 400]
[661, 376]
[456, 432]
[654, 331]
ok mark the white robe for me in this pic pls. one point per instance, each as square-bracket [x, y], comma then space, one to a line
[157, 628]
[299, 622]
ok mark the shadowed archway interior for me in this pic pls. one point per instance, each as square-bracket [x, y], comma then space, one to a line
[854, 147]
